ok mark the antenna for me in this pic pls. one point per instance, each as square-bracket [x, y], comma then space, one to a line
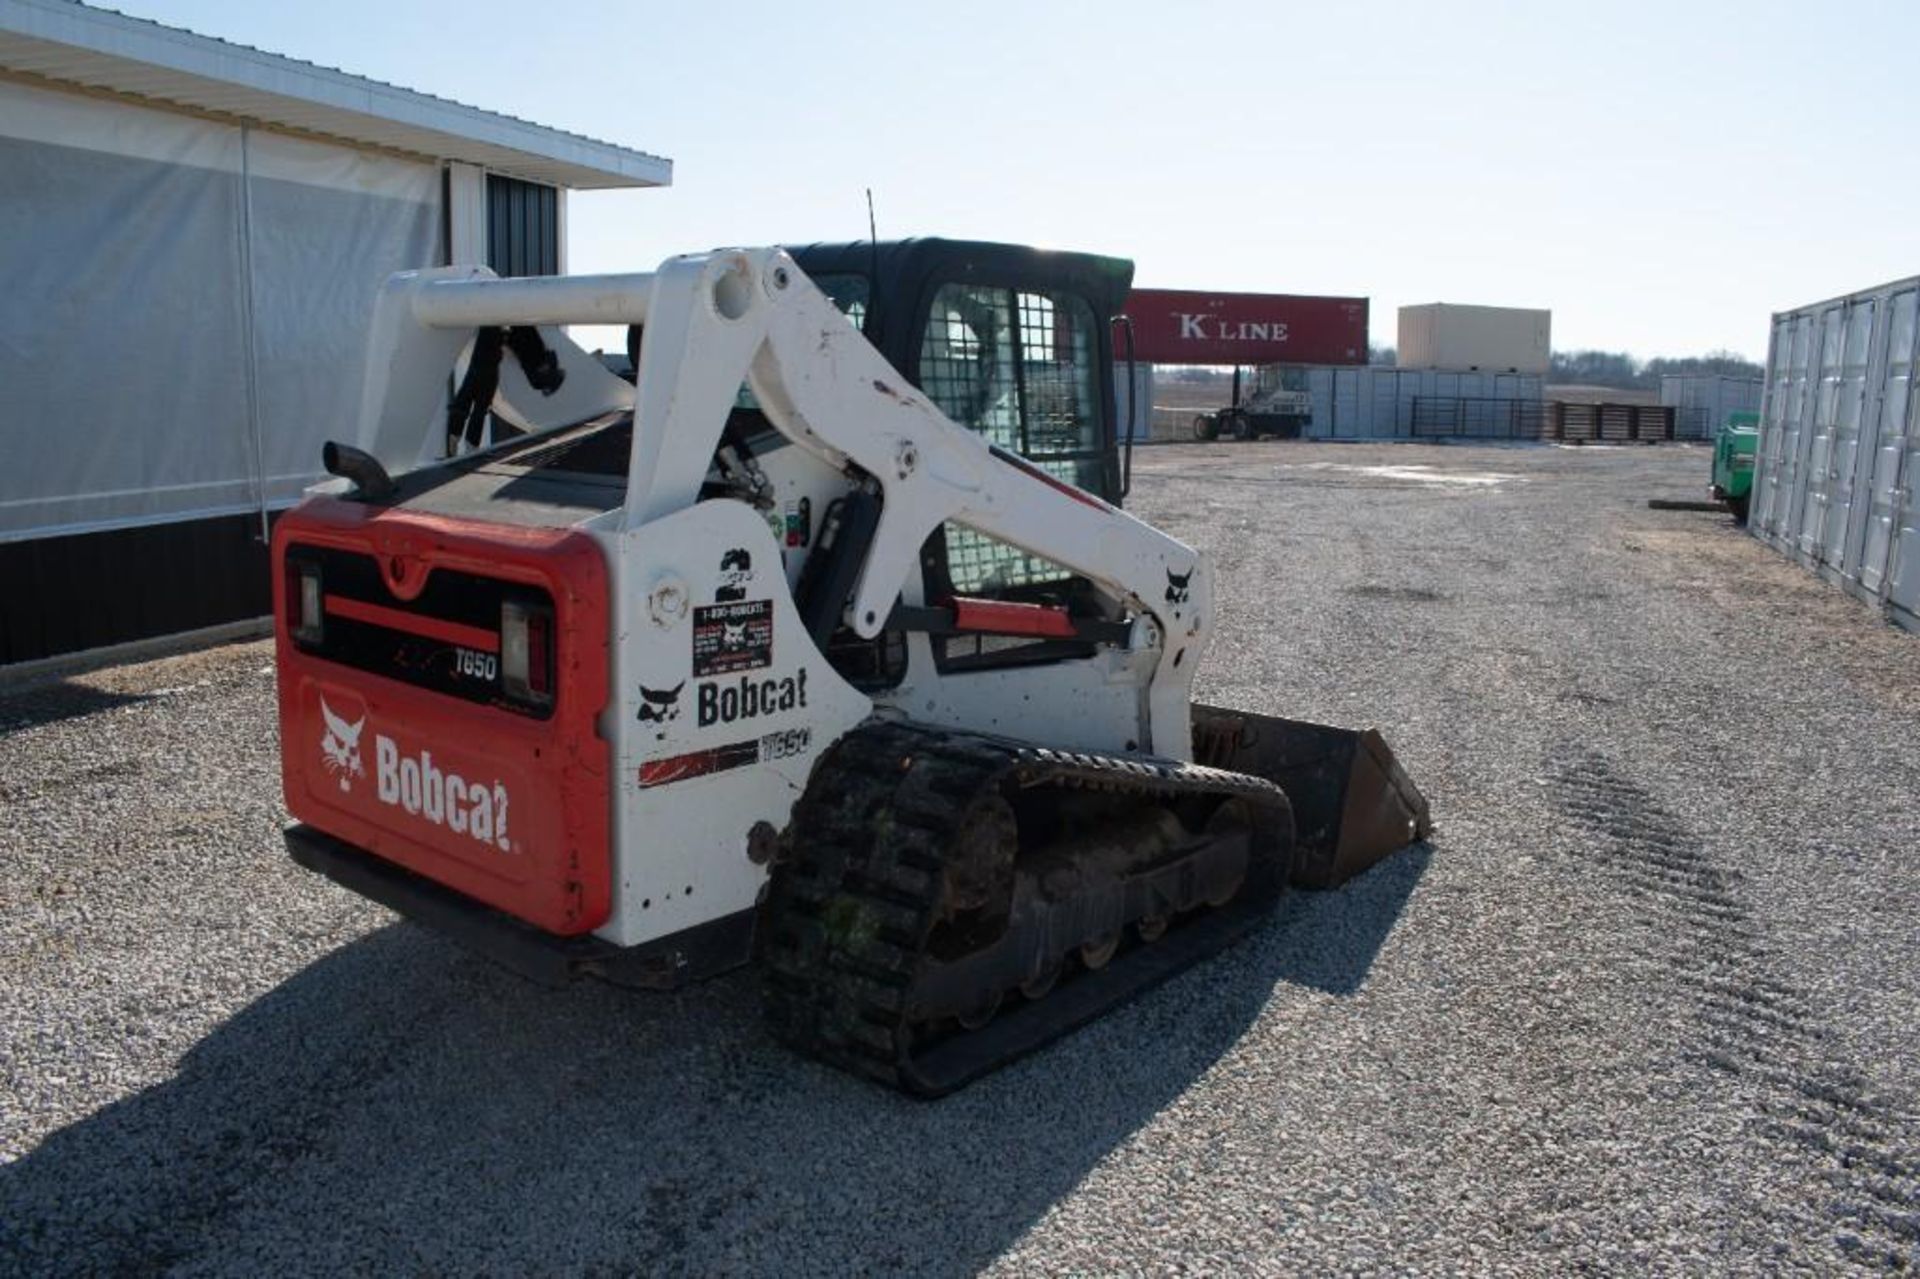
[873, 238]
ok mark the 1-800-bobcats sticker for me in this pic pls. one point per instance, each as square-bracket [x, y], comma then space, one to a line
[732, 637]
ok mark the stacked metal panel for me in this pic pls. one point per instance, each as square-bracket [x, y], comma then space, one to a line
[1376, 402]
[1837, 479]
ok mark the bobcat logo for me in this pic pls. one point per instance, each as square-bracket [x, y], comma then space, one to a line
[1177, 586]
[736, 570]
[340, 746]
[733, 635]
[658, 705]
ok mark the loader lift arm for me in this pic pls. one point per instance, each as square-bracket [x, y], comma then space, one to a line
[714, 321]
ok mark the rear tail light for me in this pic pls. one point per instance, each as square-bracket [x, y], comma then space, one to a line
[526, 652]
[306, 616]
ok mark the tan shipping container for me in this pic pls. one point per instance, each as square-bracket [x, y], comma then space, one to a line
[1491, 339]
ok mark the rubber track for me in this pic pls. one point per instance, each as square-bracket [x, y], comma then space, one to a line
[855, 899]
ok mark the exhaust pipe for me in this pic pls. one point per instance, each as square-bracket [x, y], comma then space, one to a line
[1352, 802]
[370, 479]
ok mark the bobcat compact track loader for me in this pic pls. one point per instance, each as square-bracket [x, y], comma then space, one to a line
[822, 640]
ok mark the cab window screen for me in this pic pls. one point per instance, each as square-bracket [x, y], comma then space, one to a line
[1019, 367]
[967, 361]
[1057, 378]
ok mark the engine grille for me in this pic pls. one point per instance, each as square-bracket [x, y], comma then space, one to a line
[446, 639]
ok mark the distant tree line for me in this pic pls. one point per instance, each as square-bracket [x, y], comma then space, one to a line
[1569, 368]
[1617, 368]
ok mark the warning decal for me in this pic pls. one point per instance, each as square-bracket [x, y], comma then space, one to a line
[732, 637]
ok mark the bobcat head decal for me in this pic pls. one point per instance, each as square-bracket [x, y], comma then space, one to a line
[658, 705]
[340, 746]
[1177, 586]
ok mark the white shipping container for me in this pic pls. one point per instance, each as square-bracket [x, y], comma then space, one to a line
[1373, 402]
[1837, 477]
[1378, 402]
[1492, 339]
[1140, 404]
[1705, 399]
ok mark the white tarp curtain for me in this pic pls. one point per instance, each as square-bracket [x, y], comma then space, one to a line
[128, 241]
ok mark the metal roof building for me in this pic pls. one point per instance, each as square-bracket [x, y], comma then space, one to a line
[194, 231]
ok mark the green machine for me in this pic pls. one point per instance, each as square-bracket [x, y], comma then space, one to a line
[1733, 451]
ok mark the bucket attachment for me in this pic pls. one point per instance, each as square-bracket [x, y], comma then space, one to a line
[1352, 802]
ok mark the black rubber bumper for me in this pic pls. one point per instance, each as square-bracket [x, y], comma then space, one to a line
[531, 952]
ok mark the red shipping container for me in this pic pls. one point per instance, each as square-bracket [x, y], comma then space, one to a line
[1180, 326]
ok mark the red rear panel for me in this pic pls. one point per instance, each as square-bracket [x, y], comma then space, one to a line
[398, 732]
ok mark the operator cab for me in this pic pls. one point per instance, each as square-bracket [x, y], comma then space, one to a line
[1014, 342]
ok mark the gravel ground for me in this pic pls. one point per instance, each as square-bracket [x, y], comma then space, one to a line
[1646, 1002]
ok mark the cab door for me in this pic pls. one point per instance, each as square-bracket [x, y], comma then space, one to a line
[1022, 367]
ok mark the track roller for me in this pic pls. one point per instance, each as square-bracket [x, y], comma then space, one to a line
[941, 881]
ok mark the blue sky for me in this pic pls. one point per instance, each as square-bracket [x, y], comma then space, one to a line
[1663, 176]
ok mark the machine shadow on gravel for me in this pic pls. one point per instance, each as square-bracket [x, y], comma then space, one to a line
[1331, 939]
[400, 1104]
[62, 700]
